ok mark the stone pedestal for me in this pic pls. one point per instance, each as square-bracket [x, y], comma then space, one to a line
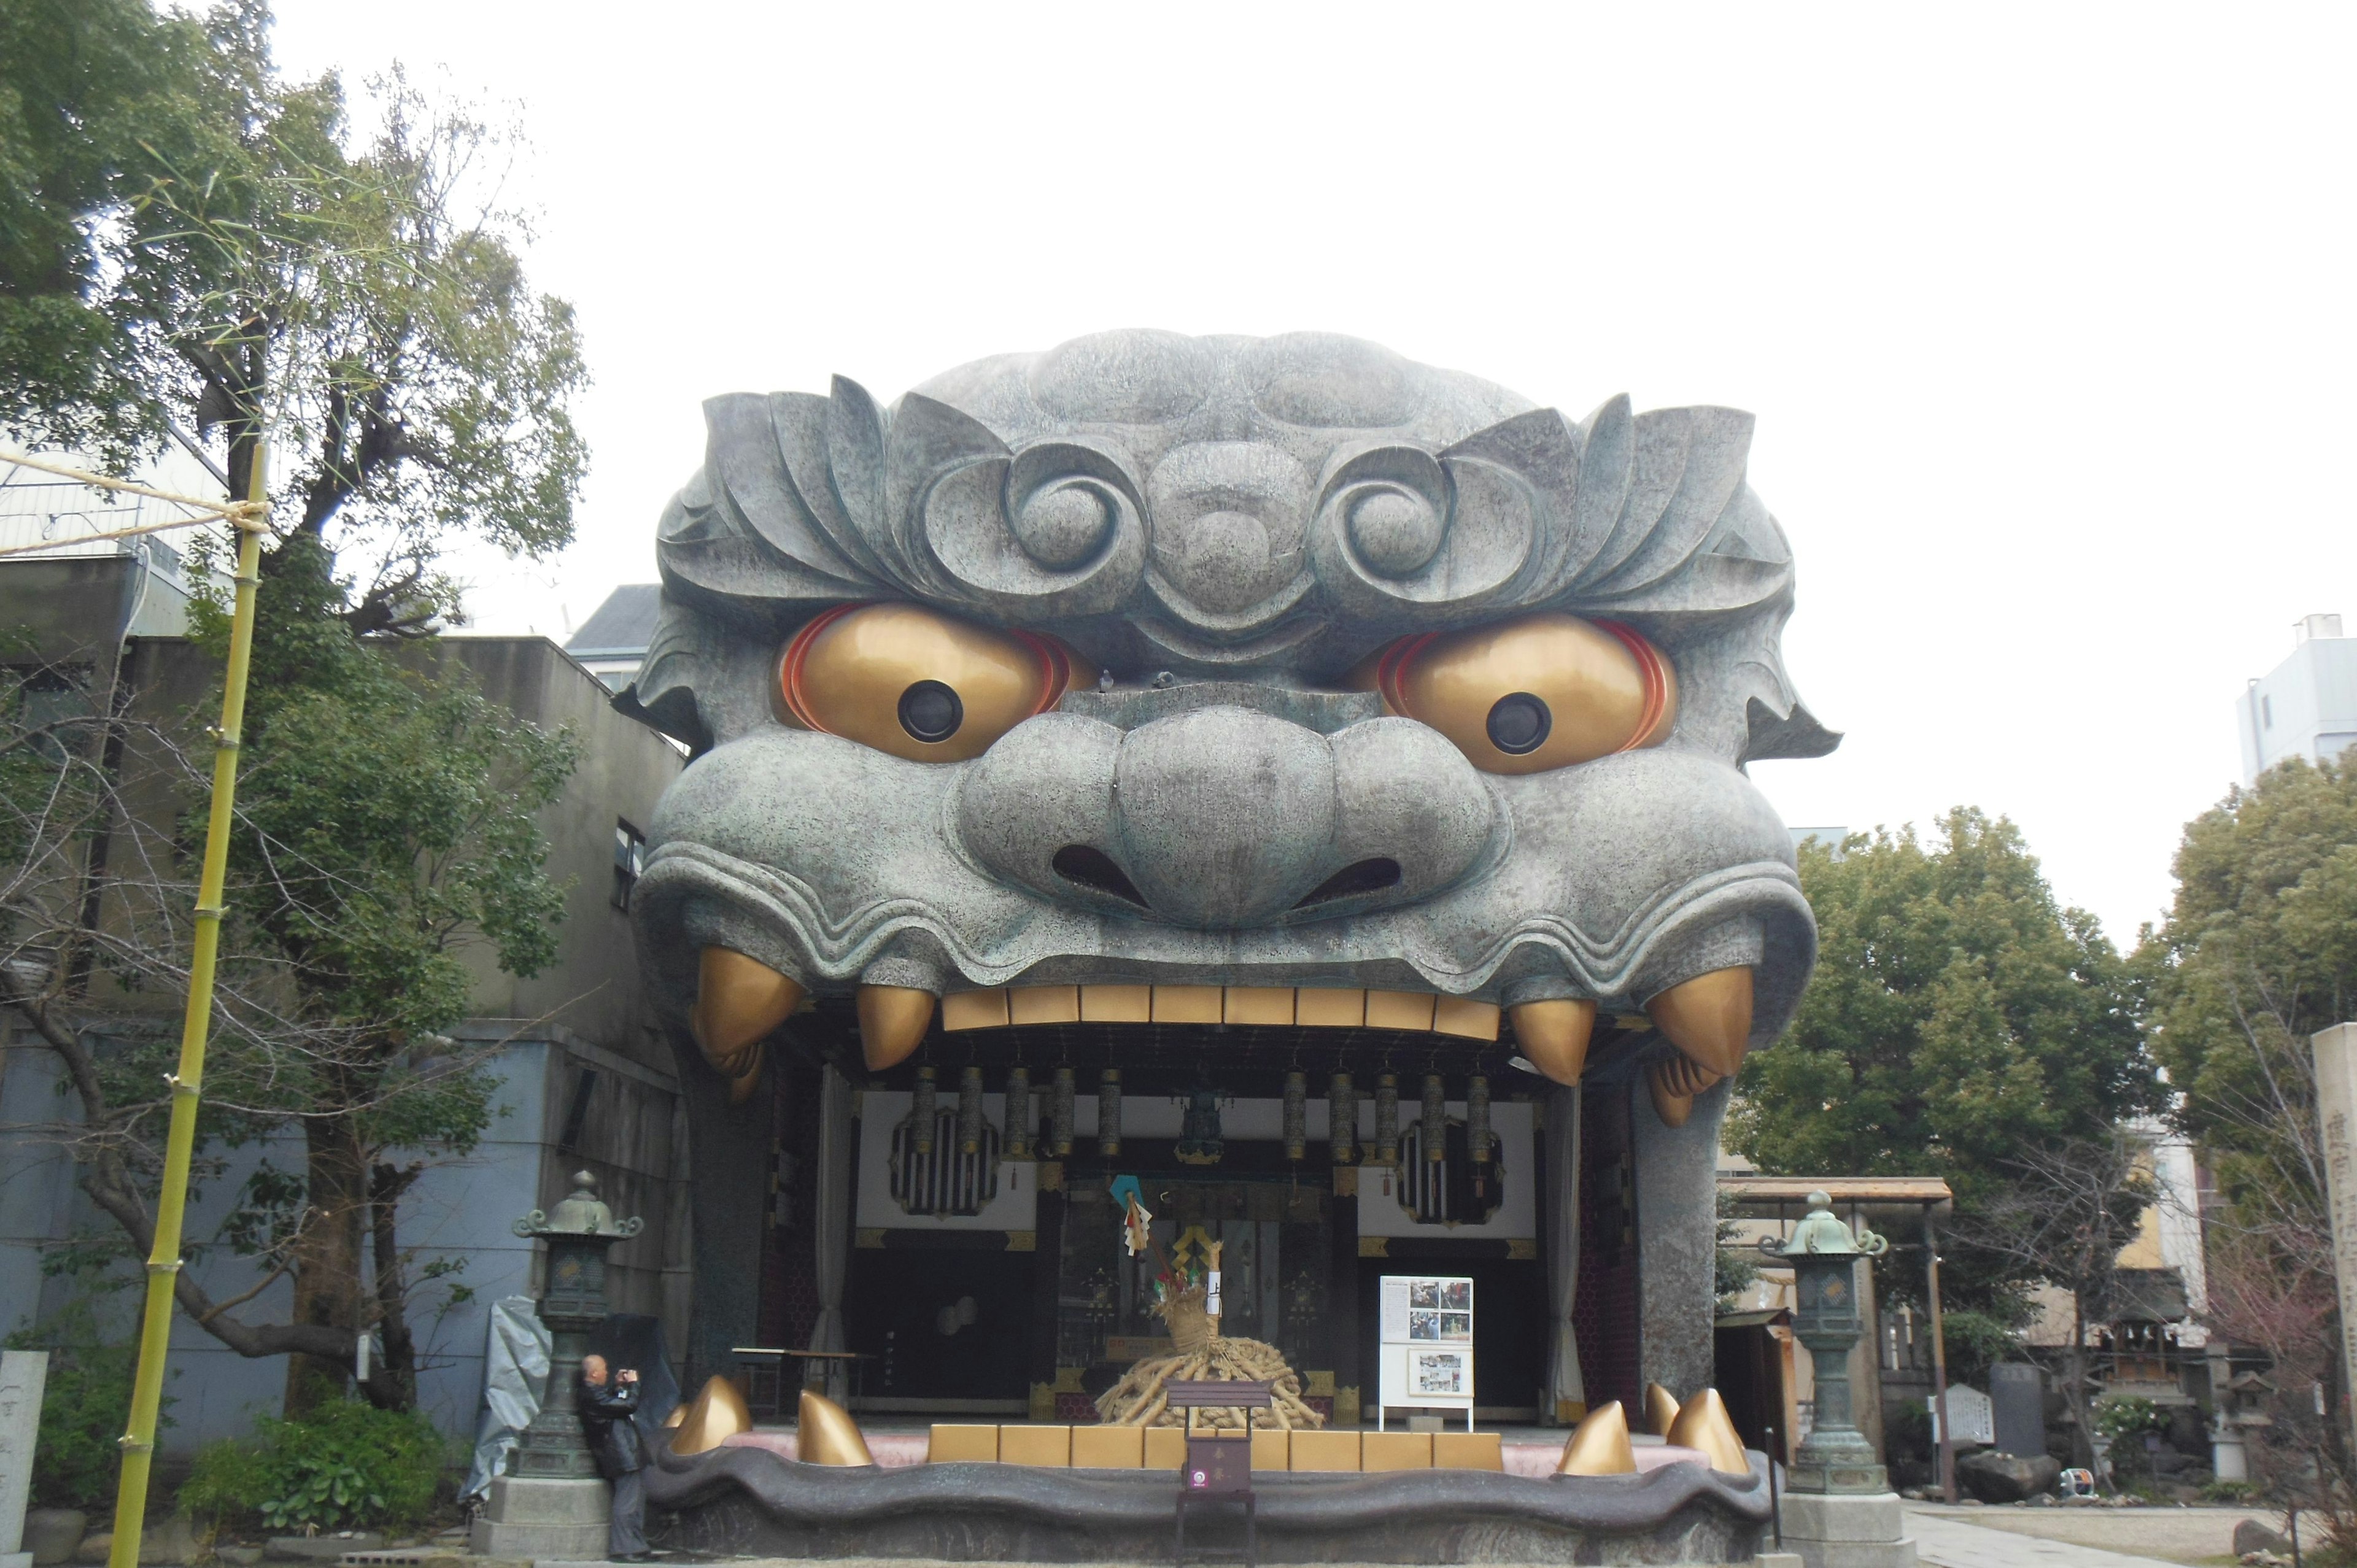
[529, 1517]
[23, 1376]
[1833, 1531]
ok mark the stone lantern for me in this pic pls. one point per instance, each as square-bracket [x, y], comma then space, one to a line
[552, 1503]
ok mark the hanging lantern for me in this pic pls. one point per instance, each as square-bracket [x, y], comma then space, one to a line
[1343, 1119]
[1436, 1119]
[1477, 1119]
[1296, 1115]
[1016, 1139]
[1109, 1112]
[1060, 1113]
[921, 1108]
[970, 1111]
[1388, 1118]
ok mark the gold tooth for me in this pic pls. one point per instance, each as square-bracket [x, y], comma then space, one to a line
[1599, 1444]
[1186, 1004]
[1321, 1007]
[1465, 1018]
[1257, 1005]
[1116, 1003]
[892, 1023]
[974, 1010]
[1554, 1036]
[718, 1412]
[1043, 1004]
[1400, 1010]
[1708, 1017]
[1703, 1423]
[738, 1000]
[1661, 1409]
[824, 1433]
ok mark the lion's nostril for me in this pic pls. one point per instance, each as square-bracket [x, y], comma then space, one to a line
[1093, 869]
[1359, 876]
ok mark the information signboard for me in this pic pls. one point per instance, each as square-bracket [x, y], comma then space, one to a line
[1425, 1345]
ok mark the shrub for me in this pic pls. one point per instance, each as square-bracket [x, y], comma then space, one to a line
[2231, 1492]
[85, 1409]
[340, 1466]
[1975, 1341]
[2128, 1415]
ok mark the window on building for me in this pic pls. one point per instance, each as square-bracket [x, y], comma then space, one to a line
[629, 860]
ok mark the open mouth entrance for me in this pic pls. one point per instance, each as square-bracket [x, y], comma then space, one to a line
[986, 1277]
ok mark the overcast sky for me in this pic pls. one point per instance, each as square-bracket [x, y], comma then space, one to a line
[2045, 311]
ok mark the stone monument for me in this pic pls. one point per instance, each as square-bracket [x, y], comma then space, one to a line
[1839, 1509]
[552, 1503]
[23, 1376]
[2336, 1120]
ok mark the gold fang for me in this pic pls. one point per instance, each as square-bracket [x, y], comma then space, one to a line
[718, 1412]
[1661, 1409]
[1708, 1017]
[1554, 1036]
[824, 1433]
[1704, 1425]
[892, 1023]
[738, 1001]
[1599, 1444]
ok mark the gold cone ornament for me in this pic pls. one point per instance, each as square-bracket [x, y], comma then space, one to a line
[738, 1001]
[1599, 1444]
[1703, 1424]
[824, 1433]
[892, 1023]
[1661, 1409]
[1553, 1035]
[718, 1412]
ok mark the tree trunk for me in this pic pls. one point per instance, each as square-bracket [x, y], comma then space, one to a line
[328, 1256]
[2082, 1441]
[393, 1381]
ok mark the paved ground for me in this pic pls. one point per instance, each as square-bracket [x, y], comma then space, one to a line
[2074, 1537]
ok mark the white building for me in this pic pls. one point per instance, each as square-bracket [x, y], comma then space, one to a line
[2306, 706]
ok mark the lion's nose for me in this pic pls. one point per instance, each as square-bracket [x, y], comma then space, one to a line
[1226, 817]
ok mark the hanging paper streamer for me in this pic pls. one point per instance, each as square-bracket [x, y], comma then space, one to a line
[1436, 1119]
[1060, 1113]
[1343, 1119]
[1296, 1115]
[1109, 1112]
[1388, 1118]
[1136, 1220]
[922, 1110]
[1016, 1139]
[970, 1111]
[1211, 1283]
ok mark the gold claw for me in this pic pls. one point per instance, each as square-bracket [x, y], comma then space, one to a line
[718, 1411]
[892, 1023]
[1599, 1444]
[738, 1001]
[1708, 1017]
[1661, 1409]
[1673, 1081]
[1704, 1425]
[824, 1433]
[1554, 1036]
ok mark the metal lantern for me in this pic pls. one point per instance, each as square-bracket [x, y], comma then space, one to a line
[1109, 1112]
[1343, 1119]
[922, 1105]
[1388, 1118]
[1017, 1143]
[1060, 1113]
[577, 1233]
[1824, 1253]
[1436, 1119]
[970, 1111]
[1296, 1115]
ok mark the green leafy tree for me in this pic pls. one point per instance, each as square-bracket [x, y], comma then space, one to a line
[1959, 1020]
[193, 242]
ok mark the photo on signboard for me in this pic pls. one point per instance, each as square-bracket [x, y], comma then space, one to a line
[1456, 1325]
[1423, 1292]
[1424, 1325]
[1456, 1295]
[1439, 1374]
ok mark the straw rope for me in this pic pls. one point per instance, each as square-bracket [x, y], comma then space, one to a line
[246, 515]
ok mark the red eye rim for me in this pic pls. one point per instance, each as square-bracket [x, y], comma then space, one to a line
[1055, 665]
[1651, 668]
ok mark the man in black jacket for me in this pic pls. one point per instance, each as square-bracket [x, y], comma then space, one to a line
[605, 1410]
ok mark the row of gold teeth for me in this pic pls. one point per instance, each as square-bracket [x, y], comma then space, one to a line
[739, 1000]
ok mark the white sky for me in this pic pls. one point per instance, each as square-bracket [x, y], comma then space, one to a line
[2046, 311]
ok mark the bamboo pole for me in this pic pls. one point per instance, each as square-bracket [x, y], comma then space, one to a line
[138, 1443]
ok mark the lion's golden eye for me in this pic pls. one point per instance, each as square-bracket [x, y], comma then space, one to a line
[1538, 691]
[915, 682]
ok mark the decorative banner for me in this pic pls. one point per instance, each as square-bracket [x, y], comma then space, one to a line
[1296, 1115]
[1019, 1126]
[1388, 1118]
[969, 1123]
[1436, 1119]
[1109, 1112]
[1343, 1119]
[1060, 1113]
[921, 1108]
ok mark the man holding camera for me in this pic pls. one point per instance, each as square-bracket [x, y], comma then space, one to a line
[607, 1407]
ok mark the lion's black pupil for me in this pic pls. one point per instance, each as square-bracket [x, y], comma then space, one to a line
[1518, 724]
[931, 711]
